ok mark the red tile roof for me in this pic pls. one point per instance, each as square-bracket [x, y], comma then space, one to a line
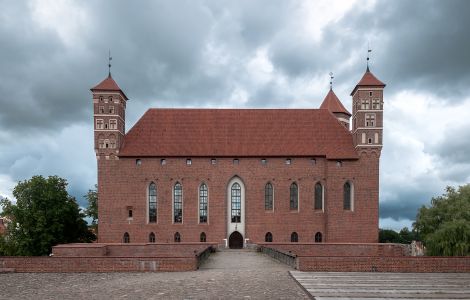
[368, 80]
[333, 104]
[108, 85]
[238, 133]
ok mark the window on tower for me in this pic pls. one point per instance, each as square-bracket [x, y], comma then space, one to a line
[101, 109]
[111, 109]
[113, 124]
[99, 124]
[365, 104]
[376, 104]
[370, 120]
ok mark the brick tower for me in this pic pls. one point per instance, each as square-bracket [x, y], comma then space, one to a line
[109, 106]
[367, 128]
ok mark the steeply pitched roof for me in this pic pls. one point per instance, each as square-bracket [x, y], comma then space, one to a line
[238, 133]
[333, 104]
[108, 85]
[368, 79]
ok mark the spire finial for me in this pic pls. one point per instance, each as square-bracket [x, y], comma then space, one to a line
[369, 50]
[331, 80]
[109, 63]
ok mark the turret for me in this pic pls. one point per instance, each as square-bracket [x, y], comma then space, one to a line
[109, 106]
[334, 105]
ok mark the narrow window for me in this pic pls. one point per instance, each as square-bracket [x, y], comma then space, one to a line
[318, 196]
[376, 138]
[294, 237]
[99, 124]
[213, 161]
[101, 143]
[163, 161]
[288, 161]
[202, 237]
[152, 203]
[106, 126]
[370, 94]
[318, 237]
[363, 138]
[347, 196]
[236, 196]
[369, 141]
[268, 238]
[110, 99]
[339, 163]
[129, 213]
[263, 161]
[101, 98]
[294, 196]
[138, 162]
[152, 237]
[126, 238]
[236, 161]
[101, 109]
[268, 196]
[203, 195]
[188, 161]
[177, 237]
[178, 203]
[313, 161]
[112, 144]
[111, 109]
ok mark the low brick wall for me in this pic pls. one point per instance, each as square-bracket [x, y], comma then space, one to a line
[44, 264]
[410, 264]
[341, 249]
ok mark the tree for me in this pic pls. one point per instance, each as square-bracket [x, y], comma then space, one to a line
[389, 236]
[92, 209]
[445, 226]
[44, 215]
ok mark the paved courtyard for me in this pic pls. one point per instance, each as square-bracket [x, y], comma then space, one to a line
[232, 274]
[385, 285]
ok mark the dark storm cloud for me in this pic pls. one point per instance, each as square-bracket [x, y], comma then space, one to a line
[405, 203]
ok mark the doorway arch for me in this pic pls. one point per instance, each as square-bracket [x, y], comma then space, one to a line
[235, 241]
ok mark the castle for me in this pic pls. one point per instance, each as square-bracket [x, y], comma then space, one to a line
[238, 176]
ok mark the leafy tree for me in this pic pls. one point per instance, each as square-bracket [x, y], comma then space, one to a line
[44, 215]
[445, 225]
[92, 209]
[389, 236]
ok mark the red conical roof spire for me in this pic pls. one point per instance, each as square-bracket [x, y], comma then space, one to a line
[368, 79]
[108, 85]
[333, 104]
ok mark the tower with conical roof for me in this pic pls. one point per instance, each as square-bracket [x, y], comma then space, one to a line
[334, 105]
[367, 119]
[109, 106]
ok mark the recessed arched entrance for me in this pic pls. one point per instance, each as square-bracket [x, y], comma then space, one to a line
[235, 241]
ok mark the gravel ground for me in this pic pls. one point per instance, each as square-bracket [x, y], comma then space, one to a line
[232, 274]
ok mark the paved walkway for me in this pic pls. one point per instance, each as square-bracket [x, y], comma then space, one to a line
[233, 274]
[385, 285]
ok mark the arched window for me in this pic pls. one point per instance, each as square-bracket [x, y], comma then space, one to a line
[318, 237]
[202, 237]
[152, 237]
[152, 203]
[203, 203]
[294, 237]
[236, 196]
[178, 203]
[126, 238]
[318, 196]
[268, 196]
[268, 238]
[294, 196]
[347, 196]
[177, 237]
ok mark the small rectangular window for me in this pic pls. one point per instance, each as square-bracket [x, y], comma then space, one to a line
[264, 161]
[163, 161]
[99, 124]
[138, 162]
[113, 124]
[313, 161]
[101, 110]
[111, 109]
[130, 213]
[370, 94]
[213, 161]
[188, 161]
[236, 161]
[288, 161]
[339, 163]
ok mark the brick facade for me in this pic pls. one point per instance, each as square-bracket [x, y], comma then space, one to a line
[129, 163]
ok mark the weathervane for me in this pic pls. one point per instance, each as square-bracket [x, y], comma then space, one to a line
[109, 63]
[369, 50]
[331, 80]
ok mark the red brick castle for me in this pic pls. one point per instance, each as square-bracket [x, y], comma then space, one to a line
[237, 176]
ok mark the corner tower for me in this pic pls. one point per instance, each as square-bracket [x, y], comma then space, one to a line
[367, 122]
[109, 111]
[334, 105]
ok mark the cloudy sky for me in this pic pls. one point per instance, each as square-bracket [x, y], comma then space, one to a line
[238, 54]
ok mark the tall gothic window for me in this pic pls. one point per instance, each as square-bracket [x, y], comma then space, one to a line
[347, 196]
[294, 196]
[294, 237]
[236, 205]
[152, 237]
[318, 237]
[152, 203]
[203, 203]
[318, 196]
[178, 203]
[126, 238]
[268, 238]
[268, 196]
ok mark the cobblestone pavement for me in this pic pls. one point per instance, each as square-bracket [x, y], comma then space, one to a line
[337, 285]
[228, 274]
